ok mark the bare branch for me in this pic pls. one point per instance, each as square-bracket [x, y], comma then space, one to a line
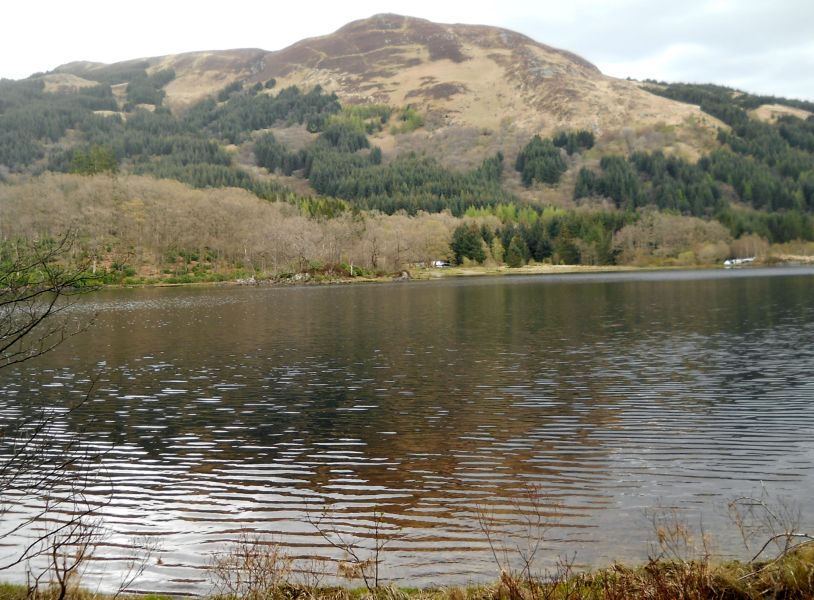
[362, 562]
[42, 466]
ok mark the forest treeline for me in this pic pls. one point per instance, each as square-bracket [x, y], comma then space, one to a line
[134, 229]
[769, 165]
[757, 185]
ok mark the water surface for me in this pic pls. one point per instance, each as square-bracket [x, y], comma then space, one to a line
[247, 409]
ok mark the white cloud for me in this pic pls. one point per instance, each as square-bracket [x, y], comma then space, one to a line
[672, 59]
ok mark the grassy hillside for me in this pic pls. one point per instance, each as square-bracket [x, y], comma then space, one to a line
[665, 194]
[489, 81]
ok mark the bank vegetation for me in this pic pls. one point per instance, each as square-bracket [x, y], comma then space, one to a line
[253, 570]
[138, 229]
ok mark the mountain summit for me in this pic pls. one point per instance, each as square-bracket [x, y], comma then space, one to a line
[458, 75]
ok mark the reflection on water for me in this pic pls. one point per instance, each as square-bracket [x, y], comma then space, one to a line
[243, 409]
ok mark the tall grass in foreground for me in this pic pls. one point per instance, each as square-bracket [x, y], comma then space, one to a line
[791, 577]
[681, 564]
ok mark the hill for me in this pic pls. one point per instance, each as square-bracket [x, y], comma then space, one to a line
[523, 153]
[472, 81]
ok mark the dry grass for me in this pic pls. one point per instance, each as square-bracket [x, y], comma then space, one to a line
[790, 578]
[792, 252]
[202, 74]
[771, 112]
[65, 82]
[680, 566]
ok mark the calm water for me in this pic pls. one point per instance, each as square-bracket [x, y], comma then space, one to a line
[248, 408]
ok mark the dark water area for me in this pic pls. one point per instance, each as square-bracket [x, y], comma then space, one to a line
[248, 409]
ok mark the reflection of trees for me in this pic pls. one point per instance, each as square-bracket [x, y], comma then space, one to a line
[476, 379]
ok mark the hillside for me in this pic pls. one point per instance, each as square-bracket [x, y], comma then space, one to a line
[474, 143]
[480, 80]
[467, 76]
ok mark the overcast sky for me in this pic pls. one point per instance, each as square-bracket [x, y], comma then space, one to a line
[762, 46]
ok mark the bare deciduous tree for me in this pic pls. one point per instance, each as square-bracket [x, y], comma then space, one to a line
[35, 289]
[363, 552]
[250, 568]
[45, 470]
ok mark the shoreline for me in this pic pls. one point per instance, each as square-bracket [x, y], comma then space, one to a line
[420, 274]
[674, 574]
[453, 272]
[329, 277]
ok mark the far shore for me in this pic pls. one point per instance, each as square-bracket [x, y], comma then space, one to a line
[413, 274]
[536, 269]
[438, 273]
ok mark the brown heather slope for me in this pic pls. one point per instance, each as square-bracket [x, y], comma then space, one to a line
[770, 113]
[468, 75]
[483, 80]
